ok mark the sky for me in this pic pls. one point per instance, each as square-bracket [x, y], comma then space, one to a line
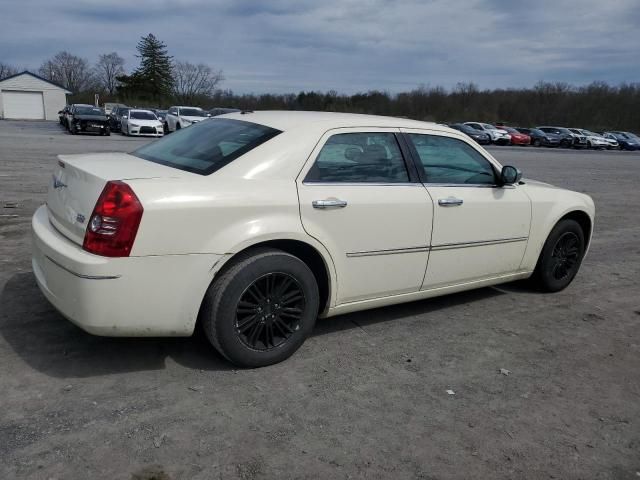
[283, 46]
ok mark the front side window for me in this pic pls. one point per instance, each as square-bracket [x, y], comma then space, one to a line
[359, 158]
[451, 161]
[207, 146]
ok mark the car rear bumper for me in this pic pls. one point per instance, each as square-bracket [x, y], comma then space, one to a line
[132, 296]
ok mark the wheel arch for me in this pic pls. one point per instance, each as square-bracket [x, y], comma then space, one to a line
[314, 256]
[585, 222]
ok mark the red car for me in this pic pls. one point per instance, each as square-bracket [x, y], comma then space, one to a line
[517, 138]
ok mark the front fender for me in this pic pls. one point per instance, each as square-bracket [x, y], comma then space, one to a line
[548, 205]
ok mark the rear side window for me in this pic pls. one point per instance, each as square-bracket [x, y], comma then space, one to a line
[207, 146]
[359, 158]
[451, 161]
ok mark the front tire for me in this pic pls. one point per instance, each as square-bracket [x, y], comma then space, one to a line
[561, 257]
[261, 309]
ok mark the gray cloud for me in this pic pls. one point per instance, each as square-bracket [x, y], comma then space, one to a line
[346, 45]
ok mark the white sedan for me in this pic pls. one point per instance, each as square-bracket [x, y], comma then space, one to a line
[255, 224]
[141, 123]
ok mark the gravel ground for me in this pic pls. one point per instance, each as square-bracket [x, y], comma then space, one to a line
[366, 396]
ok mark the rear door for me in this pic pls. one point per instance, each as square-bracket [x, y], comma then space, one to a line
[480, 230]
[359, 198]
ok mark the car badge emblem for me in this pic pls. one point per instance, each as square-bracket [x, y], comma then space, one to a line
[58, 183]
[80, 218]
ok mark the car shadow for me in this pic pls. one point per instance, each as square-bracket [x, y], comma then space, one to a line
[52, 345]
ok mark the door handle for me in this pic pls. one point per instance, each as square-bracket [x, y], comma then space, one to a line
[329, 203]
[450, 202]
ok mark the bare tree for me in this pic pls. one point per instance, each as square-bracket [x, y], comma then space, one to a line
[7, 70]
[109, 66]
[193, 81]
[68, 70]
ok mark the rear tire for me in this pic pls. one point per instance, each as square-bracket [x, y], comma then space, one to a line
[537, 142]
[261, 309]
[560, 258]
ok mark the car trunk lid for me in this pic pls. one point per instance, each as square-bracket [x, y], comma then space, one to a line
[78, 180]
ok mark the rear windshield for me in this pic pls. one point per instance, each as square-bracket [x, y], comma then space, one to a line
[208, 146]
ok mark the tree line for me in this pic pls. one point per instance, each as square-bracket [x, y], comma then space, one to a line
[160, 80]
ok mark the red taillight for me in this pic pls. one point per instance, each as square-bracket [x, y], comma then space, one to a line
[114, 222]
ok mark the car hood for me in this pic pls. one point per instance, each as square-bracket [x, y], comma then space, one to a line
[192, 119]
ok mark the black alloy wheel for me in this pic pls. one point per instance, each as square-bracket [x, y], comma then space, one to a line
[560, 257]
[566, 255]
[269, 311]
[261, 308]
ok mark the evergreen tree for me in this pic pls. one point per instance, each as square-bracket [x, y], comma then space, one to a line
[155, 70]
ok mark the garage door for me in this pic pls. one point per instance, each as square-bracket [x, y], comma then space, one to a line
[23, 105]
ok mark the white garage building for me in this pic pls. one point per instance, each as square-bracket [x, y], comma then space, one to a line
[26, 96]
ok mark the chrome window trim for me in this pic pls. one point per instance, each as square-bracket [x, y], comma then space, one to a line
[370, 184]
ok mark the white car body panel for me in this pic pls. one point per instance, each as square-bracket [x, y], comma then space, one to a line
[193, 225]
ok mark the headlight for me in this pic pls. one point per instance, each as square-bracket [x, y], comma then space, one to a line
[134, 125]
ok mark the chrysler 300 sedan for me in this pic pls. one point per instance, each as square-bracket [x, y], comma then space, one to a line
[255, 224]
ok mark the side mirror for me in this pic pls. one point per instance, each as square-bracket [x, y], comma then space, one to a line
[124, 116]
[208, 114]
[510, 175]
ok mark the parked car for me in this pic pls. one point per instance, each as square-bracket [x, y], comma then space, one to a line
[540, 138]
[611, 140]
[256, 224]
[109, 106]
[87, 119]
[626, 140]
[517, 138]
[115, 119]
[480, 137]
[568, 139]
[62, 115]
[497, 135]
[214, 112]
[594, 140]
[161, 114]
[139, 122]
[181, 117]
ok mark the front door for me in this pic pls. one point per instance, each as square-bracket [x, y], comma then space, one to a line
[480, 229]
[358, 199]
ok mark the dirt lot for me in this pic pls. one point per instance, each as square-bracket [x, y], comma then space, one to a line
[366, 396]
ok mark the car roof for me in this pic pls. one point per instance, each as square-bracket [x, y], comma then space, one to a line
[140, 110]
[288, 120]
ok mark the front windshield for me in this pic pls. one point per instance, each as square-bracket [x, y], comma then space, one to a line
[632, 136]
[89, 111]
[143, 116]
[535, 131]
[192, 112]
[488, 125]
[510, 130]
